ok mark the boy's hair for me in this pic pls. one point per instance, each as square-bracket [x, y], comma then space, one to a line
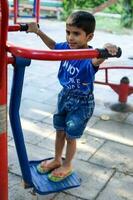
[83, 20]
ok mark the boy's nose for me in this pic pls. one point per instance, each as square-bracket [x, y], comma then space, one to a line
[70, 37]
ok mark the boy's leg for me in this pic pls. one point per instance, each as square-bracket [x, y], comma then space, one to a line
[67, 164]
[70, 152]
[57, 161]
[59, 144]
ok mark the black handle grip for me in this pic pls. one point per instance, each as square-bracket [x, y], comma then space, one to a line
[103, 53]
[24, 27]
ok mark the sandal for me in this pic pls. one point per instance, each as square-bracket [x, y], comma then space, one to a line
[42, 167]
[59, 178]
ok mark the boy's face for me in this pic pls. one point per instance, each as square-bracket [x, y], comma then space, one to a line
[77, 37]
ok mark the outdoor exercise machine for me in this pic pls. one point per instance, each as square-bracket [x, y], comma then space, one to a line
[34, 8]
[123, 89]
[20, 58]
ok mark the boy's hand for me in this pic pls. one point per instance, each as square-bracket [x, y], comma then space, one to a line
[33, 28]
[112, 49]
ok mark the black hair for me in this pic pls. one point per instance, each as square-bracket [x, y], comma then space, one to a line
[83, 20]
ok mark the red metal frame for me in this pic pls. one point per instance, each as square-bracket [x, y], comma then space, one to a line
[16, 11]
[51, 55]
[15, 27]
[16, 5]
[123, 89]
[37, 10]
[39, 55]
[3, 102]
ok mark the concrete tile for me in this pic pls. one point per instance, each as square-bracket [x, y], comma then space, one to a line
[93, 120]
[61, 196]
[13, 163]
[46, 197]
[103, 108]
[107, 94]
[129, 119]
[48, 120]
[9, 138]
[119, 188]
[13, 180]
[36, 111]
[52, 100]
[37, 94]
[87, 146]
[114, 155]
[17, 192]
[114, 131]
[49, 142]
[34, 132]
[56, 86]
[93, 180]
[34, 153]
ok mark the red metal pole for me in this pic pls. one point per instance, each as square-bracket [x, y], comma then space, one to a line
[3, 102]
[51, 54]
[15, 27]
[123, 90]
[37, 11]
[15, 11]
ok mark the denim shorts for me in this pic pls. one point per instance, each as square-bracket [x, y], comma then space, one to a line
[73, 112]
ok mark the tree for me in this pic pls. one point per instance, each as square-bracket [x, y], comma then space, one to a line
[127, 14]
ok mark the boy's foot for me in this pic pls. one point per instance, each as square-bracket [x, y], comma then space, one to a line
[60, 173]
[47, 166]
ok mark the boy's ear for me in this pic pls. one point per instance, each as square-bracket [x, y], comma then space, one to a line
[90, 36]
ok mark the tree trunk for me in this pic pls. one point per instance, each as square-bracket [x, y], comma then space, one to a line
[103, 6]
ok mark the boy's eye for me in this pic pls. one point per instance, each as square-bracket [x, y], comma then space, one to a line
[67, 32]
[76, 33]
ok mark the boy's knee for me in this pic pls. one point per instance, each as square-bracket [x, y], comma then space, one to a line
[74, 128]
[61, 134]
[71, 125]
[70, 140]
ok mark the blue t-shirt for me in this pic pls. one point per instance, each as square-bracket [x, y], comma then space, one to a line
[76, 74]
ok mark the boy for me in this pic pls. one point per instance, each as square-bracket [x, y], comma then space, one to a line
[76, 100]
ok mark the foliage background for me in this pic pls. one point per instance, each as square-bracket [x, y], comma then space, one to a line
[122, 7]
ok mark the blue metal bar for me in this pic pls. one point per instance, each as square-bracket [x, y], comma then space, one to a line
[16, 93]
[34, 8]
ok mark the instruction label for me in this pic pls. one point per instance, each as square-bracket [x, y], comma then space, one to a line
[3, 116]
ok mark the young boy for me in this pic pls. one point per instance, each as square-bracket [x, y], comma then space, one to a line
[75, 101]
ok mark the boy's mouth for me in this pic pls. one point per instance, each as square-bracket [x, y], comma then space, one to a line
[72, 44]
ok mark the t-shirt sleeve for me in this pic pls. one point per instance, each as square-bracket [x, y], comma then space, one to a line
[62, 45]
[94, 68]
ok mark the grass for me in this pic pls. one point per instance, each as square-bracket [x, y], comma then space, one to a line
[111, 25]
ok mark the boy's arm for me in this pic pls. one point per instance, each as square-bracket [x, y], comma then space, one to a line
[47, 40]
[112, 49]
[33, 28]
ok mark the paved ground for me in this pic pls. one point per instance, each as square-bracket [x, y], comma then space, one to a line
[104, 157]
